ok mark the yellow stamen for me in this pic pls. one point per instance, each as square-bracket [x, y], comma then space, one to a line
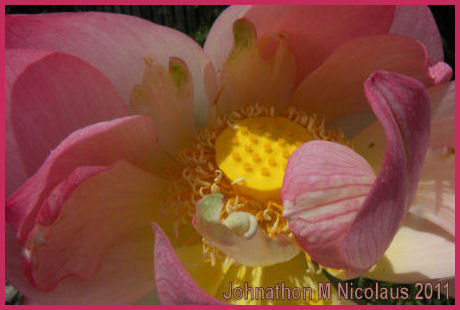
[247, 175]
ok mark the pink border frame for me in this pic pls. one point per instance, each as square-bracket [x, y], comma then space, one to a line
[206, 2]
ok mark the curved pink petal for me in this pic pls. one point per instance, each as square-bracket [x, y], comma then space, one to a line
[338, 81]
[324, 187]
[100, 238]
[402, 106]
[131, 138]
[313, 32]
[435, 196]
[416, 21]
[440, 72]
[174, 284]
[48, 95]
[83, 216]
[115, 44]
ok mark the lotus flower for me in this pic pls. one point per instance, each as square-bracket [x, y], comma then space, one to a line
[299, 138]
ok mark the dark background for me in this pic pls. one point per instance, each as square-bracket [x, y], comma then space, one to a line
[195, 21]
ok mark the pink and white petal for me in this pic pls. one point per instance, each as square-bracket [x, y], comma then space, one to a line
[402, 106]
[313, 32]
[166, 96]
[339, 80]
[324, 187]
[249, 77]
[131, 138]
[124, 274]
[106, 212]
[174, 284]
[443, 115]
[419, 251]
[219, 42]
[48, 96]
[440, 72]
[435, 196]
[416, 21]
[115, 44]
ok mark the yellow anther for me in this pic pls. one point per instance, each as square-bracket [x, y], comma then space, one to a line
[247, 167]
[236, 156]
[248, 148]
[286, 153]
[281, 142]
[253, 139]
[235, 140]
[268, 148]
[244, 130]
[298, 143]
[256, 158]
[265, 172]
[272, 161]
[268, 134]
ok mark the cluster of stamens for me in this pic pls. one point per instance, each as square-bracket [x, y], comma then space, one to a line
[244, 157]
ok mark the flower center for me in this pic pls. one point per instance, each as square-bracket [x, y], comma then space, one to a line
[253, 154]
[243, 156]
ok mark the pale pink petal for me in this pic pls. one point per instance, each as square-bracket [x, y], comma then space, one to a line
[335, 88]
[435, 196]
[402, 106]
[419, 251]
[443, 115]
[174, 284]
[166, 96]
[115, 44]
[131, 138]
[261, 73]
[440, 72]
[125, 274]
[313, 32]
[416, 21]
[219, 42]
[83, 216]
[48, 95]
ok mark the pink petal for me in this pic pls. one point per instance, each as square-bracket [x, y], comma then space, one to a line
[130, 138]
[115, 44]
[324, 187]
[416, 21]
[419, 251]
[402, 106]
[249, 77]
[174, 284]
[312, 31]
[166, 96]
[48, 96]
[99, 248]
[443, 115]
[440, 72]
[338, 81]
[435, 197]
[81, 219]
